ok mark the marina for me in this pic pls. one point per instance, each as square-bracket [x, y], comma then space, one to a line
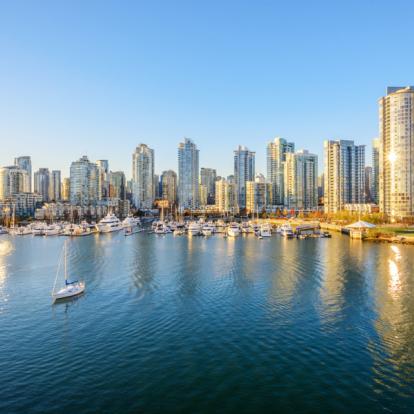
[132, 225]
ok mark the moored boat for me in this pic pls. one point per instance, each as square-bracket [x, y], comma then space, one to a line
[233, 230]
[109, 224]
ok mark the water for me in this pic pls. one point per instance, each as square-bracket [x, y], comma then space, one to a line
[200, 325]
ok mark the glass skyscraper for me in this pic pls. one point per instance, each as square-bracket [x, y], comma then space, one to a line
[25, 163]
[244, 170]
[143, 177]
[276, 155]
[188, 175]
[42, 183]
[84, 182]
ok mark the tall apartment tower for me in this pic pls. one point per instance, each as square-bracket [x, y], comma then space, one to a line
[375, 170]
[244, 170]
[188, 175]
[25, 163]
[66, 189]
[55, 186]
[169, 186]
[396, 154]
[84, 182]
[344, 174]
[369, 182]
[42, 183]
[276, 155]
[226, 196]
[13, 180]
[103, 178]
[301, 180]
[258, 195]
[208, 178]
[143, 176]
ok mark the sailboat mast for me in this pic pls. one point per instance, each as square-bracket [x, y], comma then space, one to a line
[66, 276]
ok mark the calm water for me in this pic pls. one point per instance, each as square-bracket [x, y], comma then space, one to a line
[207, 325]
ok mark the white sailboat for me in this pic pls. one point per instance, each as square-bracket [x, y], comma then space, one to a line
[70, 289]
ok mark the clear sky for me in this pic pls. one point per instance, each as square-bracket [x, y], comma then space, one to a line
[99, 77]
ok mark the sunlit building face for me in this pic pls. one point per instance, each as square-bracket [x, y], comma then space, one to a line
[396, 183]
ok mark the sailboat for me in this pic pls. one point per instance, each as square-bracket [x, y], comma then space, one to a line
[71, 288]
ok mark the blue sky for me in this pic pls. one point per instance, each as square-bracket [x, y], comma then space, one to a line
[98, 78]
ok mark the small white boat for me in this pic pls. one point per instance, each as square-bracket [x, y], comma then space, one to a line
[179, 229]
[265, 230]
[207, 230]
[194, 229]
[160, 228]
[70, 289]
[21, 231]
[3, 230]
[131, 225]
[286, 231]
[233, 230]
[52, 230]
[39, 229]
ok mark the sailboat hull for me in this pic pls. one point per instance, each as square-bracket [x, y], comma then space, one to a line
[69, 291]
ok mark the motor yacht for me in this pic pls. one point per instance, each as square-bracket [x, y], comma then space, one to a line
[109, 224]
[233, 230]
[131, 225]
[38, 229]
[179, 229]
[52, 230]
[207, 230]
[265, 230]
[286, 231]
[194, 229]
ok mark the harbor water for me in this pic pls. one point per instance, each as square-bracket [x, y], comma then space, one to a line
[201, 325]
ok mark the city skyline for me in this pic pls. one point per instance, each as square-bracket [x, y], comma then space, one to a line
[309, 76]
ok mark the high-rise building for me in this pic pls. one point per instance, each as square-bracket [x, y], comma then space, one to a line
[258, 194]
[244, 170]
[84, 182]
[208, 178]
[143, 177]
[276, 155]
[301, 180]
[344, 174]
[375, 170]
[66, 189]
[226, 196]
[117, 185]
[157, 192]
[368, 184]
[321, 188]
[188, 175]
[55, 186]
[25, 163]
[103, 179]
[42, 183]
[169, 186]
[13, 180]
[396, 163]
[203, 195]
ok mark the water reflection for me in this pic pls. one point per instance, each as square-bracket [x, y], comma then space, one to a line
[6, 249]
[395, 321]
[143, 263]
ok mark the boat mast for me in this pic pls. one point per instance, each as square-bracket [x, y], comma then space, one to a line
[66, 276]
